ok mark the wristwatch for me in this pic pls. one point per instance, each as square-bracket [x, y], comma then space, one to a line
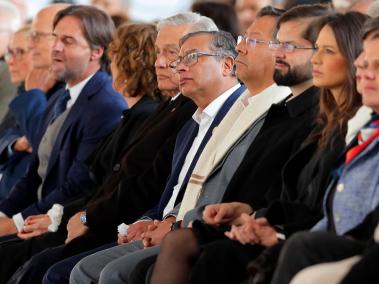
[83, 218]
[176, 225]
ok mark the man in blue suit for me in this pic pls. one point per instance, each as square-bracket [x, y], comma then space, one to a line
[75, 120]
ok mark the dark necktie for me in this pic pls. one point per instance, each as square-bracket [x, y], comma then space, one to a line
[61, 104]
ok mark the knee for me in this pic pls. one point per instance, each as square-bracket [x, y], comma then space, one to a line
[183, 241]
[111, 274]
[53, 276]
[76, 273]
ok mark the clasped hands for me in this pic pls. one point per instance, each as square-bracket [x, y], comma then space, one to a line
[244, 228]
[150, 232]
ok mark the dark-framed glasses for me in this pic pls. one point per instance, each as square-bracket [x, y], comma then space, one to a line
[16, 53]
[287, 47]
[190, 58]
[252, 42]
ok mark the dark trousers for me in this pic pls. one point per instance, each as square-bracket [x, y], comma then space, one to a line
[21, 251]
[224, 261]
[59, 273]
[304, 249]
[35, 268]
[366, 270]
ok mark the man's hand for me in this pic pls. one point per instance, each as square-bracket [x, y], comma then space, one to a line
[7, 226]
[253, 231]
[135, 232]
[225, 213]
[40, 78]
[34, 226]
[75, 228]
[157, 231]
[22, 145]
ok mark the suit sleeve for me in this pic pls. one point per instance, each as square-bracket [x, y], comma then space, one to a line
[97, 125]
[28, 109]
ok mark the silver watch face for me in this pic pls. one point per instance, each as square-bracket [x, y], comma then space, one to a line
[83, 218]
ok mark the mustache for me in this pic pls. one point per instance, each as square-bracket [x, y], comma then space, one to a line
[282, 62]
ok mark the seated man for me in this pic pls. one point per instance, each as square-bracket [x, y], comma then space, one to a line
[68, 134]
[139, 173]
[238, 152]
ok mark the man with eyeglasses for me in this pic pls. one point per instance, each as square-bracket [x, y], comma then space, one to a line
[292, 52]
[249, 135]
[39, 79]
[205, 66]
[75, 120]
[16, 138]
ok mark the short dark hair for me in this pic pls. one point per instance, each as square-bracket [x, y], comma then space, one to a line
[97, 26]
[222, 43]
[270, 11]
[307, 11]
[371, 29]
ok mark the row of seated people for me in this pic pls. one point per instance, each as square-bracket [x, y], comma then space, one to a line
[264, 153]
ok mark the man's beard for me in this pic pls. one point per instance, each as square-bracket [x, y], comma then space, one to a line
[294, 76]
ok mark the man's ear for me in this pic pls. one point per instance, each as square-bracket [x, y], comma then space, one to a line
[97, 53]
[228, 66]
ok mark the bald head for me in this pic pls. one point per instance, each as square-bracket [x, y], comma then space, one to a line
[42, 26]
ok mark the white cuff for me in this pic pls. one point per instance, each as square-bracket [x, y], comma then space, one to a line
[281, 236]
[55, 214]
[2, 214]
[18, 221]
[123, 229]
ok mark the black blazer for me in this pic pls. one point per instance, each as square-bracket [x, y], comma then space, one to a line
[138, 180]
[257, 180]
[111, 149]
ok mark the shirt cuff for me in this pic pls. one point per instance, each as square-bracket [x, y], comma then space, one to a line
[169, 215]
[55, 214]
[18, 221]
[281, 236]
[2, 214]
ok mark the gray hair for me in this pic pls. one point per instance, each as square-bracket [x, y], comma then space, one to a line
[373, 9]
[222, 43]
[10, 13]
[198, 22]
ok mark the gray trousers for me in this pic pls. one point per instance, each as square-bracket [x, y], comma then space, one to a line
[112, 265]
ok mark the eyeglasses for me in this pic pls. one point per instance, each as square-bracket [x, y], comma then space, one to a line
[17, 53]
[287, 47]
[190, 58]
[36, 36]
[252, 42]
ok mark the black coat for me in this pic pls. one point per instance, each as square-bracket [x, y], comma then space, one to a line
[136, 186]
[110, 151]
[257, 180]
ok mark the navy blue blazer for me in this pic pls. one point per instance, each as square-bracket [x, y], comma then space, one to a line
[15, 166]
[96, 112]
[183, 144]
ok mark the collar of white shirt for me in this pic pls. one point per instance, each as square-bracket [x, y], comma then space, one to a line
[76, 90]
[212, 109]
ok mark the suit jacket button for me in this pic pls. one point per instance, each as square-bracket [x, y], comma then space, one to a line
[340, 187]
[116, 167]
